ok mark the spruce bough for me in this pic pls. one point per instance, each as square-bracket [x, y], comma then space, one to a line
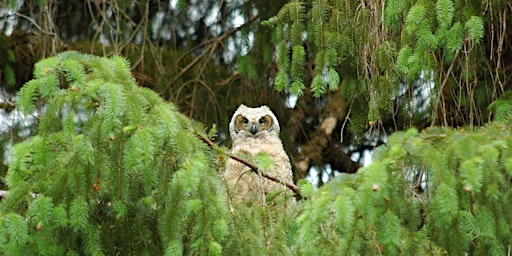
[115, 169]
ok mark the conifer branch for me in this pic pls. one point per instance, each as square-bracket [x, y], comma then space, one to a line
[252, 166]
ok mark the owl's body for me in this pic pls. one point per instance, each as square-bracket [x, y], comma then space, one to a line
[255, 131]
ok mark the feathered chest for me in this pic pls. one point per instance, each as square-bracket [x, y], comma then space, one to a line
[252, 146]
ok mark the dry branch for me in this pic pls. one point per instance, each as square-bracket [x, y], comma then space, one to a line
[252, 166]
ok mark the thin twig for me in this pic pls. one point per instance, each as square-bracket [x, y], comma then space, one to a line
[214, 42]
[252, 166]
[440, 92]
[344, 123]
[34, 23]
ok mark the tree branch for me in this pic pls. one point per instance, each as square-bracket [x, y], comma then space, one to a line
[321, 146]
[252, 166]
[214, 42]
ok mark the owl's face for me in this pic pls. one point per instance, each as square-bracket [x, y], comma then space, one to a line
[253, 122]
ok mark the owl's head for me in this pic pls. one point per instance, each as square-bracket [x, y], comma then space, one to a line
[253, 122]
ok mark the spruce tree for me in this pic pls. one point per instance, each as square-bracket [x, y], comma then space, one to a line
[113, 169]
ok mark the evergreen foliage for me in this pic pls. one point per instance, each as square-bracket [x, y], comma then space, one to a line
[113, 169]
[382, 45]
[459, 204]
[502, 107]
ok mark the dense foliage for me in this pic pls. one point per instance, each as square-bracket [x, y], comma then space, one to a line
[98, 165]
[439, 192]
[114, 169]
[379, 48]
[109, 170]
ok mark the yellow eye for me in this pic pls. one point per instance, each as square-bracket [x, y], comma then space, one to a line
[242, 122]
[265, 122]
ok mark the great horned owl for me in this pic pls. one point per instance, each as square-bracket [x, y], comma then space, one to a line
[255, 131]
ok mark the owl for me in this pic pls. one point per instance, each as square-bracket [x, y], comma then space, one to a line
[255, 132]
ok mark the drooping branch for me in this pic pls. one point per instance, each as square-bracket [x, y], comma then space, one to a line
[252, 166]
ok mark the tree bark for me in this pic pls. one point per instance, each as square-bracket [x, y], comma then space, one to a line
[323, 145]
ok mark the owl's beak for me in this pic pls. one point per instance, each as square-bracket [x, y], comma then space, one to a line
[253, 129]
